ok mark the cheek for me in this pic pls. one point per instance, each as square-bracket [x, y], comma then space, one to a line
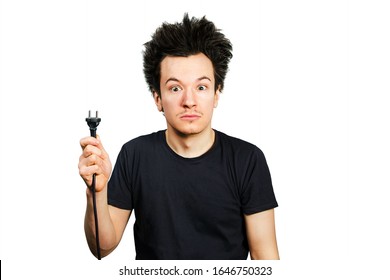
[209, 103]
[167, 103]
[170, 107]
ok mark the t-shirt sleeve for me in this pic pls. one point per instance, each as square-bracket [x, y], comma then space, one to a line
[119, 186]
[257, 192]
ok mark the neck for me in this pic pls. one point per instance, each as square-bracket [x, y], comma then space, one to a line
[190, 146]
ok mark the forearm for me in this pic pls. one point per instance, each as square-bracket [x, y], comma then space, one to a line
[270, 253]
[261, 235]
[107, 235]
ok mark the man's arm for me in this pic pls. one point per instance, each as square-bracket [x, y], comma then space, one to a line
[260, 228]
[112, 221]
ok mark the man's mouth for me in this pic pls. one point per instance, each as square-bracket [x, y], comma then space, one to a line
[190, 117]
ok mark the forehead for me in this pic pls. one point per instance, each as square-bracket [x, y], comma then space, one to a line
[191, 67]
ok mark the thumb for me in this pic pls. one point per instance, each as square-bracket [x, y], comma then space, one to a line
[100, 146]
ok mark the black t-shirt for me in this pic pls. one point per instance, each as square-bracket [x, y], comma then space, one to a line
[191, 208]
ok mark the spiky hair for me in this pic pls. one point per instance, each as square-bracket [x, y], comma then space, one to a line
[189, 37]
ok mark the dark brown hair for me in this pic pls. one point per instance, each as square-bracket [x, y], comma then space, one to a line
[189, 37]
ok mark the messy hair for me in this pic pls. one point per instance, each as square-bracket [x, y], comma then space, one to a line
[189, 37]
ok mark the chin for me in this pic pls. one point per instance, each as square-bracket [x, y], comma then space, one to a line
[188, 129]
[188, 132]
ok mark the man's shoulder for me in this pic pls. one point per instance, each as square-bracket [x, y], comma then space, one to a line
[235, 142]
[144, 140]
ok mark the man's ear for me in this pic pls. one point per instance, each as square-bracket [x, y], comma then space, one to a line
[157, 101]
[216, 96]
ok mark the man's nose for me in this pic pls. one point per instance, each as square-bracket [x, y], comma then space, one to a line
[189, 99]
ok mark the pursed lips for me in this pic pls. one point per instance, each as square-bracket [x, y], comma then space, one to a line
[190, 116]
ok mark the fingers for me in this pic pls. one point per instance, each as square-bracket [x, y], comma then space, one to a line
[104, 154]
[91, 150]
[94, 160]
[92, 145]
[89, 141]
[90, 160]
[87, 171]
[93, 154]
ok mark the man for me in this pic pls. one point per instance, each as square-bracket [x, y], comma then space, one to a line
[196, 192]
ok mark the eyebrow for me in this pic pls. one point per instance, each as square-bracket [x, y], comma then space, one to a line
[177, 80]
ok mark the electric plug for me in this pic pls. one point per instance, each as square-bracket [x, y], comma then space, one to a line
[93, 123]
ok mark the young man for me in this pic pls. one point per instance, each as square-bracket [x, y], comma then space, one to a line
[196, 192]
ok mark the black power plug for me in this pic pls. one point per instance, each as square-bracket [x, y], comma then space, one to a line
[93, 123]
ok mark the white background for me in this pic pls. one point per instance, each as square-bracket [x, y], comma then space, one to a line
[308, 84]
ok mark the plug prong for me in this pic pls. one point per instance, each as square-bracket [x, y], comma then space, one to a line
[96, 114]
[89, 113]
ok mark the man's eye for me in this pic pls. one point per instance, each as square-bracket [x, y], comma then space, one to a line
[175, 89]
[202, 88]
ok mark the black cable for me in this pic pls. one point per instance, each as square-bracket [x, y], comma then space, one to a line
[93, 122]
